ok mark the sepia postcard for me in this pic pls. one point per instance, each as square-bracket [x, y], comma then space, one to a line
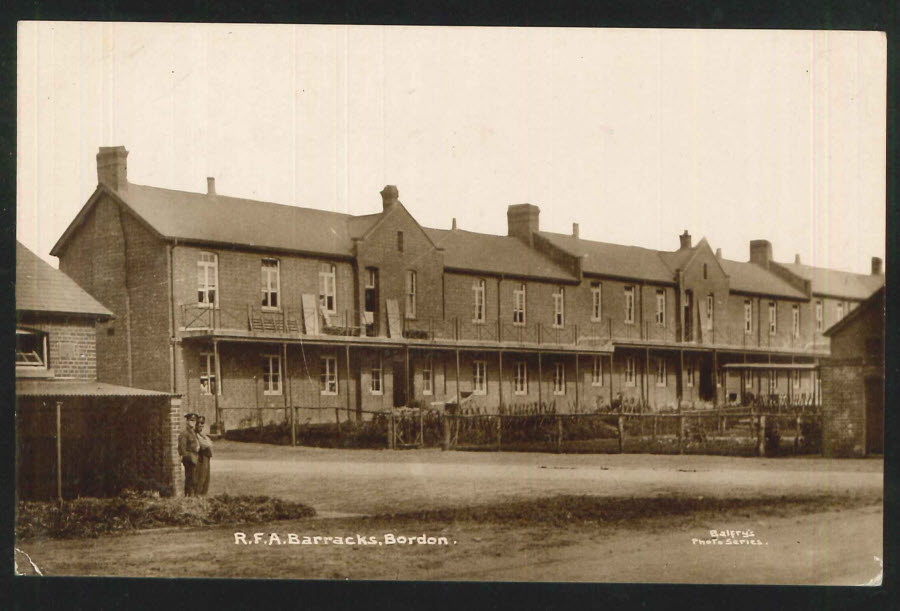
[450, 303]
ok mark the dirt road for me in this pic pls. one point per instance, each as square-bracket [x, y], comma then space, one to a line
[369, 482]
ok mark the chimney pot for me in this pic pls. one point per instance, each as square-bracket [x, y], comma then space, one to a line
[797, 259]
[876, 266]
[112, 166]
[210, 185]
[718, 253]
[685, 239]
[574, 230]
[389, 196]
[453, 227]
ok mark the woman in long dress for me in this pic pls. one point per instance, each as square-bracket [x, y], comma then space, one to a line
[201, 473]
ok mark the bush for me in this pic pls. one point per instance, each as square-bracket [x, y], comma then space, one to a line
[92, 517]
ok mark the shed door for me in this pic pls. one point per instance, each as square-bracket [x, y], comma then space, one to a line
[874, 415]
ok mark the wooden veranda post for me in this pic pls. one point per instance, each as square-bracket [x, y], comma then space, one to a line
[219, 424]
[59, 451]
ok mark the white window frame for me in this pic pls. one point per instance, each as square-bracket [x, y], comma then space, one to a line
[795, 378]
[520, 378]
[596, 302]
[773, 318]
[748, 380]
[271, 374]
[328, 376]
[270, 273]
[32, 360]
[328, 289]
[411, 289]
[661, 372]
[208, 267]
[689, 374]
[773, 381]
[376, 382]
[428, 377]
[820, 315]
[630, 372]
[479, 377]
[795, 320]
[710, 310]
[748, 316]
[597, 371]
[840, 311]
[519, 301]
[478, 294]
[370, 277]
[629, 305]
[559, 308]
[660, 307]
[559, 379]
[209, 369]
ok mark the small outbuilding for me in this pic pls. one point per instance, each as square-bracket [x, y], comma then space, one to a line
[853, 382]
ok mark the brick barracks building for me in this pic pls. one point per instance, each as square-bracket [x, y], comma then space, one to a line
[239, 305]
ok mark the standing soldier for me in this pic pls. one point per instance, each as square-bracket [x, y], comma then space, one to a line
[189, 450]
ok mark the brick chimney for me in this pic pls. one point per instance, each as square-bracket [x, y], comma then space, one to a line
[876, 266]
[685, 239]
[718, 253]
[574, 230]
[389, 197]
[797, 259]
[210, 186]
[453, 226]
[522, 221]
[112, 166]
[761, 252]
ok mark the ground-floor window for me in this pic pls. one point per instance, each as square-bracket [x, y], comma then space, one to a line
[773, 381]
[559, 379]
[689, 374]
[376, 386]
[209, 379]
[271, 374]
[796, 378]
[520, 382]
[597, 372]
[479, 377]
[629, 371]
[660, 372]
[328, 378]
[748, 380]
[428, 377]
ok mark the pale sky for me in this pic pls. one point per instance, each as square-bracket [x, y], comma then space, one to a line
[634, 134]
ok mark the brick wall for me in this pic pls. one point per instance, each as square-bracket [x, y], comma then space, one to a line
[844, 408]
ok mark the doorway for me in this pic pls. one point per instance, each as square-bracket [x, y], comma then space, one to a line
[400, 381]
[874, 415]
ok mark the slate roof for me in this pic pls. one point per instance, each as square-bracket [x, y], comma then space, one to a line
[837, 283]
[495, 254]
[41, 288]
[751, 278]
[617, 260]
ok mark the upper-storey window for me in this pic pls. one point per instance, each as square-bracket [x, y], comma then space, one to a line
[478, 294]
[327, 288]
[660, 308]
[270, 283]
[705, 272]
[710, 306]
[519, 304]
[410, 294]
[773, 318]
[400, 241]
[207, 279]
[629, 305]
[31, 348]
[820, 316]
[559, 307]
[840, 311]
[596, 301]
[795, 320]
[748, 316]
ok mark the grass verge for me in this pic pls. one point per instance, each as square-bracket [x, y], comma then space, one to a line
[92, 517]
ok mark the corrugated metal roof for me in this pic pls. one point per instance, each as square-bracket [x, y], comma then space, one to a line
[79, 388]
[231, 220]
[41, 288]
[614, 259]
[495, 254]
[835, 282]
[751, 278]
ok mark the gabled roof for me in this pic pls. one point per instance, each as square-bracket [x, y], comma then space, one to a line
[603, 258]
[835, 282]
[875, 300]
[41, 288]
[752, 278]
[493, 254]
[198, 217]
